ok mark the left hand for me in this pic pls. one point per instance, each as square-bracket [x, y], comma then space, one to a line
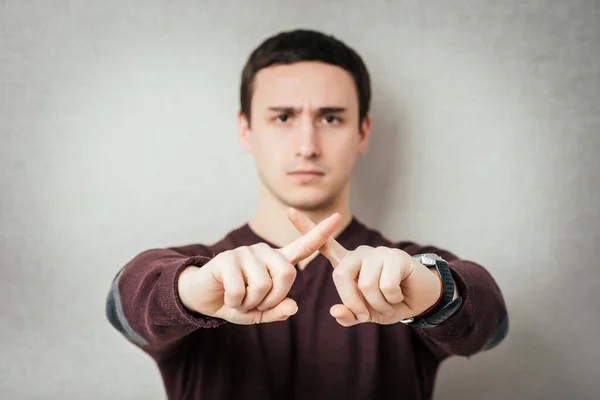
[381, 285]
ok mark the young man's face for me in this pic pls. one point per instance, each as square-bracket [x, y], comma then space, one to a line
[305, 133]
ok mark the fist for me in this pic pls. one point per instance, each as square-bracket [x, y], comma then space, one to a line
[381, 285]
[249, 284]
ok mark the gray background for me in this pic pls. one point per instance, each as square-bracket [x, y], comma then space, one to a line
[118, 134]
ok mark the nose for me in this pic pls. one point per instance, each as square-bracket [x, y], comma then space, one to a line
[308, 140]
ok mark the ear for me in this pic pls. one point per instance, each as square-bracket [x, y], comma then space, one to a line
[365, 134]
[244, 131]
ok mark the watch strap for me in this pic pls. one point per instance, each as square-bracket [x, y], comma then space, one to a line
[445, 307]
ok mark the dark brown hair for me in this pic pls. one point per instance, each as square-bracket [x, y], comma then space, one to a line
[305, 45]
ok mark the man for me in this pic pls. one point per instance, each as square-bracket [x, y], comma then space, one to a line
[304, 301]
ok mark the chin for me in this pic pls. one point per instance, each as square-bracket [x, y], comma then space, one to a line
[309, 202]
[304, 198]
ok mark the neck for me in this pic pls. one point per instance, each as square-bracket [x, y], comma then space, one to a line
[272, 224]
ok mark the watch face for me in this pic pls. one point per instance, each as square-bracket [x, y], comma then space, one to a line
[427, 258]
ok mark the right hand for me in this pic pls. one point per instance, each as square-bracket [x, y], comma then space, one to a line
[249, 284]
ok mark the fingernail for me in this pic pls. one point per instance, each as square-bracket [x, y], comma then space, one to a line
[362, 317]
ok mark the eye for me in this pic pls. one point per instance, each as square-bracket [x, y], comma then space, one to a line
[331, 119]
[282, 118]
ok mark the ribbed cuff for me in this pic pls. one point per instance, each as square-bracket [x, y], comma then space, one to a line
[178, 309]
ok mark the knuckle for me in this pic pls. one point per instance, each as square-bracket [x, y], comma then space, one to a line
[356, 258]
[387, 286]
[239, 252]
[236, 292]
[366, 285]
[384, 251]
[266, 303]
[289, 274]
[226, 257]
[338, 273]
[260, 246]
[399, 298]
[401, 253]
[263, 286]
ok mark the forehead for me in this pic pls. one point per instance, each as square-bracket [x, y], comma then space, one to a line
[313, 83]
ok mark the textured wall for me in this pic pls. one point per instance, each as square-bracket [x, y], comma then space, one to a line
[117, 134]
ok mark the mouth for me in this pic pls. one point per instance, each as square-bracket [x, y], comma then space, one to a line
[306, 172]
[307, 176]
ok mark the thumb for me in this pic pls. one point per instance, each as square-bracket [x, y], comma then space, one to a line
[282, 311]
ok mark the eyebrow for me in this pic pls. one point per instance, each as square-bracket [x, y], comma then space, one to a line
[321, 110]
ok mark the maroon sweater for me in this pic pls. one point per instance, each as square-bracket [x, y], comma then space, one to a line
[309, 356]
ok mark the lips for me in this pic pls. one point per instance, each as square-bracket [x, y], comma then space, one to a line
[306, 176]
[306, 172]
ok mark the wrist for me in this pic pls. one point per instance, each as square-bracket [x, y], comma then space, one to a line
[449, 303]
[456, 294]
[183, 287]
[439, 296]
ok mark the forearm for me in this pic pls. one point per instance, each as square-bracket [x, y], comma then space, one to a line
[480, 323]
[144, 303]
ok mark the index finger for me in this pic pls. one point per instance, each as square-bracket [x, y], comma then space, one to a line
[332, 249]
[311, 241]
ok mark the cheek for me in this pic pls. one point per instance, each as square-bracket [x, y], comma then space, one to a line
[268, 153]
[344, 152]
[346, 162]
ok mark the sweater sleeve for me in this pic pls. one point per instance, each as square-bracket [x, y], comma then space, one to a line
[480, 323]
[143, 302]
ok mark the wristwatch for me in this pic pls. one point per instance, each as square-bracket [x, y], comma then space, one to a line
[446, 306]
